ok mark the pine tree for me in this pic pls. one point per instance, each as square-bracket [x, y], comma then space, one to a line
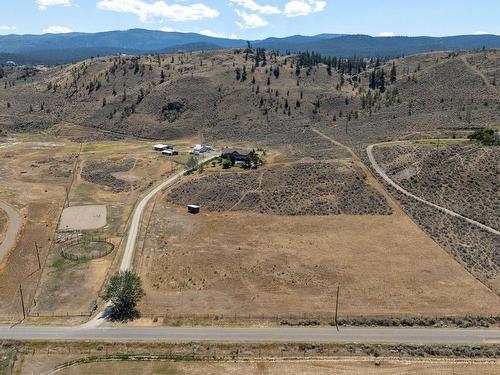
[373, 81]
[381, 84]
[393, 73]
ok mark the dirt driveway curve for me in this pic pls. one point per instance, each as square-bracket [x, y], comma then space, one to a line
[13, 228]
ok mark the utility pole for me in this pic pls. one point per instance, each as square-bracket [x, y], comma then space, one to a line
[22, 301]
[337, 308]
[38, 256]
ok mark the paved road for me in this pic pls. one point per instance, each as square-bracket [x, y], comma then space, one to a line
[386, 178]
[13, 229]
[303, 334]
[135, 226]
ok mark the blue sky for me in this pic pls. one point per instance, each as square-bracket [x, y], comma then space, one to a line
[254, 19]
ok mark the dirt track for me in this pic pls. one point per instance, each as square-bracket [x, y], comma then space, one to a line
[386, 178]
[13, 228]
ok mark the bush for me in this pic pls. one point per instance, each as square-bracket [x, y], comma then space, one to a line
[226, 164]
[487, 137]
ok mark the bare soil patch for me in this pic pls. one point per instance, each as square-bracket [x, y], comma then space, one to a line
[292, 189]
[83, 217]
[249, 264]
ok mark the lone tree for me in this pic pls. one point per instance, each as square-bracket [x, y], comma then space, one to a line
[124, 290]
[192, 162]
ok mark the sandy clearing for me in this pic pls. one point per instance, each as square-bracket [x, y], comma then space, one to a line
[83, 217]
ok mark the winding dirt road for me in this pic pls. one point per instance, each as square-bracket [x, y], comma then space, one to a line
[13, 228]
[386, 178]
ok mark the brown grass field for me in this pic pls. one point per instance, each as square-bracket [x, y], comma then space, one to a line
[383, 366]
[351, 367]
[244, 264]
[232, 358]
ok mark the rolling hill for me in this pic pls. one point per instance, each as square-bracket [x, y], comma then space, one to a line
[51, 49]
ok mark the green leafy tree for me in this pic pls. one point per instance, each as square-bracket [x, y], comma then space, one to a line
[124, 291]
[226, 164]
[487, 137]
[192, 162]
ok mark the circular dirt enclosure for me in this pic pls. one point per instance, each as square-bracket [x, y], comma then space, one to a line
[86, 250]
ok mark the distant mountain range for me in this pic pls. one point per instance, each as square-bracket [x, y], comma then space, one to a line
[53, 49]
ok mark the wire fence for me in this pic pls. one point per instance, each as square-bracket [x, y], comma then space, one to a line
[60, 314]
[88, 251]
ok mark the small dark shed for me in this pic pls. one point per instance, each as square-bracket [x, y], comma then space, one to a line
[193, 209]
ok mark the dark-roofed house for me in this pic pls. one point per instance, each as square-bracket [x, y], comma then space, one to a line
[236, 155]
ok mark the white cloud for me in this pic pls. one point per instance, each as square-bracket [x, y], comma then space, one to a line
[167, 29]
[297, 8]
[7, 28]
[44, 4]
[319, 6]
[253, 6]
[57, 30]
[386, 33]
[250, 20]
[216, 34]
[159, 10]
[481, 33]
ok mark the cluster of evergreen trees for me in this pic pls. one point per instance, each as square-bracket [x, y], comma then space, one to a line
[378, 77]
[260, 57]
[350, 65]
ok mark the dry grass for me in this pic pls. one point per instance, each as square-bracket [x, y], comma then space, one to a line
[244, 263]
[302, 367]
